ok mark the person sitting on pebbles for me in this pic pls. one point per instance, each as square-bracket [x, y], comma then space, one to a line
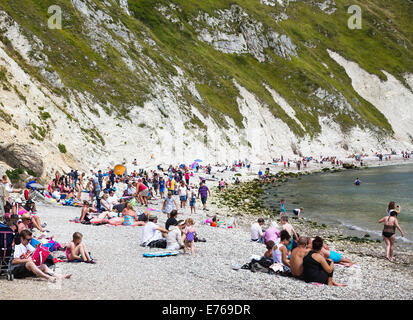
[316, 269]
[29, 222]
[154, 235]
[77, 251]
[332, 255]
[23, 265]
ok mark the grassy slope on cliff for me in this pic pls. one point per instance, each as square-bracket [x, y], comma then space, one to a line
[384, 43]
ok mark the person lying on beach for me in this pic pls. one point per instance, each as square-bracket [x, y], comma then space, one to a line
[129, 218]
[77, 251]
[297, 256]
[23, 265]
[332, 255]
[389, 233]
[316, 268]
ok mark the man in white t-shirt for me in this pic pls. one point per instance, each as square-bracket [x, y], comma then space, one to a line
[257, 235]
[23, 265]
[112, 199]
[152, 232]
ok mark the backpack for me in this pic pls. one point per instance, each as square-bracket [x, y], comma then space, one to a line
[40, 255]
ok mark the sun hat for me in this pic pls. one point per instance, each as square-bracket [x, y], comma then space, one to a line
[27, 216]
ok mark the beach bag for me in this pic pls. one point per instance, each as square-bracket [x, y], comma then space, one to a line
[190, 236]
[160, 243]
[40, 255]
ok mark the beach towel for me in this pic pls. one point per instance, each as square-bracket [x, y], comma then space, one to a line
[160, 254]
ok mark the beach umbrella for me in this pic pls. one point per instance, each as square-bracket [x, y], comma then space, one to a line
[119, 170]
[198, 160]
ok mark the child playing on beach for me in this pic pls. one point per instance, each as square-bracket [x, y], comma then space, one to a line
[283, 210]
[189, 233]
[270, 245]
[77, 251]
[298, 211]
[192, 201]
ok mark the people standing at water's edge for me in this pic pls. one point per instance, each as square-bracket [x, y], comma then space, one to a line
[389, 233]
[392, 207]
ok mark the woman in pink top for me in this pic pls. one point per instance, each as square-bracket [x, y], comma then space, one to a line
[142, 193]
[272, 233]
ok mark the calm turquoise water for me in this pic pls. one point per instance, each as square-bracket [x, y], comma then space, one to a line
[334, 199]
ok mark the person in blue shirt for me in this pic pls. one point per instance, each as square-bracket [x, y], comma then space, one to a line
[100, 178]
[357, 182]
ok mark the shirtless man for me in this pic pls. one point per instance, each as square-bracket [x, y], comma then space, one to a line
[336, 257]
[296, 260]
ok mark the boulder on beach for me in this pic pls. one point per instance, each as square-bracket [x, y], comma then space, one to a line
[21, 156]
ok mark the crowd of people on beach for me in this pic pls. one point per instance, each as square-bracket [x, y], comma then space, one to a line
[297, 256]
[114, 198]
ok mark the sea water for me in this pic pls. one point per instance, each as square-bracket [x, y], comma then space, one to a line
[332, 198]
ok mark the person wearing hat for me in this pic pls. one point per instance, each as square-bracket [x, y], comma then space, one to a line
[153, 235]
[297, 256]
[29, 222]
[174, 238]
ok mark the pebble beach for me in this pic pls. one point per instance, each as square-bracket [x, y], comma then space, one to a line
[121, 272]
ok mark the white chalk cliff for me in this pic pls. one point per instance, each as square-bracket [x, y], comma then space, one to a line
[162, 128]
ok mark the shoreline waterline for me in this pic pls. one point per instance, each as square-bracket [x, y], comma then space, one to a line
[350, 226]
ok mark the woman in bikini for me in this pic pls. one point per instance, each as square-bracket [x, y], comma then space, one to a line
[389, 233]
[129, 218]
